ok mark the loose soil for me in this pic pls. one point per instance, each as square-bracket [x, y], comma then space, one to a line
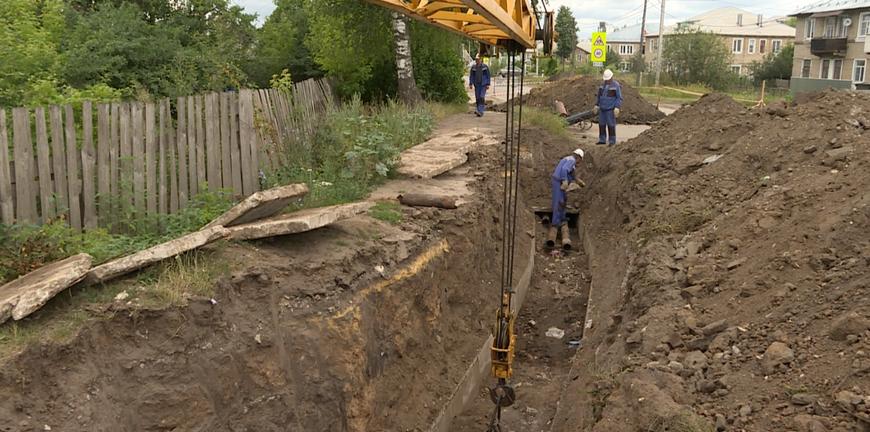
[579, 94]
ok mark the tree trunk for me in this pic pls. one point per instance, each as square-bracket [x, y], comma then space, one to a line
[408, 91]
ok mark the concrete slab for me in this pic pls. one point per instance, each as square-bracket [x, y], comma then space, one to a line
[301, 221]
[28, 293]
[138, 260]
[260, 205]
[454, 187]
[441, 154]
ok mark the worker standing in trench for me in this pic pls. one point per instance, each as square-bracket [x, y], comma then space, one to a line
[607, 107]
[563, 181]
[478, 79]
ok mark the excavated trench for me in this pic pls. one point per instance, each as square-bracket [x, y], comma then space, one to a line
[355, 327]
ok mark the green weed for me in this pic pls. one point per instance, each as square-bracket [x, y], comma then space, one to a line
[545, 120]
[386, 211]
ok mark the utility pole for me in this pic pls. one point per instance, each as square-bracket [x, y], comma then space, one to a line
[661, 49]
[642, 45]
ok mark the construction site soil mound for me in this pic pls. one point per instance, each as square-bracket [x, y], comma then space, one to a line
[730, 262]
[579, 94]
[363, 325]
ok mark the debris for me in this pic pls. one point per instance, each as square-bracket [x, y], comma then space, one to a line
[260, 205]
[850, 323]
[122, 296]
[776, 354]
[427, 200]
[28, 293]
[301, 221]
[695, 360]
[711, 159]
[555, 332]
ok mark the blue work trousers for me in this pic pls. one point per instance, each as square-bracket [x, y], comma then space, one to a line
[480, 98]
[560, 199]
[607, 126]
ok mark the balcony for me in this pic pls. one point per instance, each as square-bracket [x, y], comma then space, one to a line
[829, 46]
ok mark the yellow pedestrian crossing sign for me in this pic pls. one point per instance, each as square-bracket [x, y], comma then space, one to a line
[599, 47]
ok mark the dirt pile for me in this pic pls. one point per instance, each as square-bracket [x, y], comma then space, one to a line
[730, 258]
[579, 94]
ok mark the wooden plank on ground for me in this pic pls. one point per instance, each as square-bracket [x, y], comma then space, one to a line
[192, 169]
[235, 154]
[43, 164]
[7, 205]
[201, 179]
[125, 160]
[23, 153]
[212, 143]
[181, 168]
[150, 158]
[104, 138]
[58, 161]
[137, 114]
[89, 166]
[73, 160]
[246, 138]
[163, 141]
[226, 156]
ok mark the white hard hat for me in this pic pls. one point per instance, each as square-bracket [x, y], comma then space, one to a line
[608, 74]
[579, 152]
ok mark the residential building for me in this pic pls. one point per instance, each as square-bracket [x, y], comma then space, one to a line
[748, 36]
[626, 42]
[583, 52]
[832, 46]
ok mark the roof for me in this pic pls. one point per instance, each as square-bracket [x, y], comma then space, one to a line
[832, 5]
[630, 33]
[724, 21]
[585, 46]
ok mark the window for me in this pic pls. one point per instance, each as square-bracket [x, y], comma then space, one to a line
[838, 69]
[809, 28]
[751, 46]
[864, 25]
[762, 45]
[824, 72]
[736, 69]
[737, 46]
[805, 68]
[830, 27]
[776, 46]
[858, 70]
[624, 66]
[626, 49]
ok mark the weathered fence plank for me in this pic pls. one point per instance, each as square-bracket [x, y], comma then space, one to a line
[136, 111]
[163, 139]
[104, 140]
[201, 179]
[247, 135]
[235, 154]
[212, 143]
[43, 164]
[192, 169]
[7, 208]
[150, 159]
[125, 160]
[114, 154]
[226, 157]
[89, 163]
[23, 154]
[73, 160]
[181, 152]
[58, 162]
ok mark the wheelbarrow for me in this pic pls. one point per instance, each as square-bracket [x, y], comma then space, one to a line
[582, 119]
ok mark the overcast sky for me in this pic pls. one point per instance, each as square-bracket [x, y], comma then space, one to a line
[589, 12]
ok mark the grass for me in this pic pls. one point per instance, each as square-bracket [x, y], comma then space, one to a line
[680, 94]
[170, 283]
[545, 120]
[387, 211]
[441, 111]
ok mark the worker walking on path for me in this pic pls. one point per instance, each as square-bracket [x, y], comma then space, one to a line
[478, 79]
[562, 182]
[607, 107]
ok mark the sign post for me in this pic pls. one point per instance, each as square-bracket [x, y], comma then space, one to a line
[599, 48]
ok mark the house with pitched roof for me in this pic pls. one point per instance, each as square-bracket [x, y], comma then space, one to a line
[626, 42]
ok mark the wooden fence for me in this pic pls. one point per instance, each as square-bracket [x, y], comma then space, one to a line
[83, 164]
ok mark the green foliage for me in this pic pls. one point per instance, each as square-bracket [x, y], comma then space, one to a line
[694, 56]
[550, 67]
[387, 211]
[613, 59]
[437, 64]
[24, 248]
[546, 120]
[774, 66]
[566, 27]
[30, 34]
[282, 81]
[281, 45]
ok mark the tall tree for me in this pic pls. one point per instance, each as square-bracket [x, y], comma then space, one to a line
[30, 34]
[566, 27]
[408, 91]
[281, 45]
[775, 65]
[695, 57]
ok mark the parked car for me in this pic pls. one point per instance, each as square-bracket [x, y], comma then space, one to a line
[513, 72]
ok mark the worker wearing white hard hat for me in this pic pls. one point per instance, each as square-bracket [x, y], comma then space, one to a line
[607, 105]
[562, 182]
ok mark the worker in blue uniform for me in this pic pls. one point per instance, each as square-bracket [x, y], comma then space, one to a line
[478, 80]
[563, 181]
[607, 107]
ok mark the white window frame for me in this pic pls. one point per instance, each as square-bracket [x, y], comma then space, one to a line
[776, 46]
[809, 70]
[737, 46]
[809, 28]
[831, 27]
[862, 32]
[750, 46]
[825, 72]
[626, 49]
[739, 69]
[828, 73]
[863, 70]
